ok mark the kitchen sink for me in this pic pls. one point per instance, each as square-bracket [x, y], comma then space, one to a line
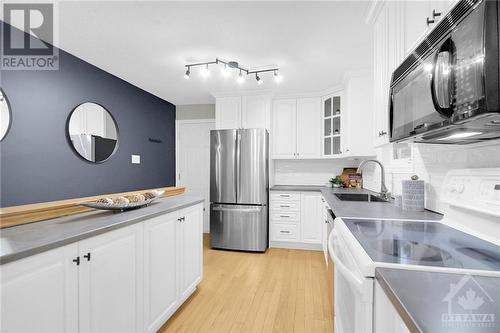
[359, 197]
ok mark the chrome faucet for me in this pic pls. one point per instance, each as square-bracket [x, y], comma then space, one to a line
[384, 194]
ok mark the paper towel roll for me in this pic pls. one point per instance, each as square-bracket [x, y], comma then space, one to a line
[413, 194]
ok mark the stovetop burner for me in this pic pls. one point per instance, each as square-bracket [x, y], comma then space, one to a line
[410, 250]
[423, 243]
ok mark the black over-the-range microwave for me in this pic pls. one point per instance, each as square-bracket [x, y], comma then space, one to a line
[448, 89]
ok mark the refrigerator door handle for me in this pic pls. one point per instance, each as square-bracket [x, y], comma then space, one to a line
[238, 164]
[254, 209]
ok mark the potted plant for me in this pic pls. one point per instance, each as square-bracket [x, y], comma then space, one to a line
[337, 182]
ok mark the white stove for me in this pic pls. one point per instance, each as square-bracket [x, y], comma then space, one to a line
[466, 240]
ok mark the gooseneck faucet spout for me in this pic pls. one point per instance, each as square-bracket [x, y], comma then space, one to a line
[383, 188]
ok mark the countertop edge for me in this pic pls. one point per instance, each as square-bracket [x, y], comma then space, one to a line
[8, 258]
[396, 302]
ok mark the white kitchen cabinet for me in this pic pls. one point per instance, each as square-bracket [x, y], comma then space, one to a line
[161, 254]
[308, 120]
[332, 128]
[284, 128]
[256, 112]
[295, 128]
[191, 250]
[228, 112]
[296, 220]
[40, 293]
[310, 217]
[385, 317]
[420, 18]
[252, 111]
[111, 281]
[173, 261]
[130, 279]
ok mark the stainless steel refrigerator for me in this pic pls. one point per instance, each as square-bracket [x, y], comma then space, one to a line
[239, 187]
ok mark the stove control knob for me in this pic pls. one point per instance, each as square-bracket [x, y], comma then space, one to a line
[452, 187]
[460, 188]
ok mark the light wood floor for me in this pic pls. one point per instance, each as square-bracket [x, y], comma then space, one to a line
[279, 291]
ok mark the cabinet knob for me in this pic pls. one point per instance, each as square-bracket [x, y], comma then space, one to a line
[87, 256]
[435, 14]
[382, 133]
[429, 21]
[77, 260]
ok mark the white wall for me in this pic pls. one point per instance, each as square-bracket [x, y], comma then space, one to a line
[430, 163]
[309, 172]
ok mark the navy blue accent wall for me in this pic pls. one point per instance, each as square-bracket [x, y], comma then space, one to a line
[38, 163]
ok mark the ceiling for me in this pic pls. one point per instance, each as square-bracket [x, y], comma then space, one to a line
[148, 43]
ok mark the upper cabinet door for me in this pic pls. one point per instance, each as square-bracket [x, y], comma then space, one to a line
[228, 113]
[416, 14]
[40, 293]
[308, 122]
[111, 281]
[284, 128]
[332, 126]
[256, 112]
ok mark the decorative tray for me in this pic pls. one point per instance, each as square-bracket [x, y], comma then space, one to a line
[122, 203]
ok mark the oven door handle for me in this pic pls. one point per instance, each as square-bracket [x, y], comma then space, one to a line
[353, 279]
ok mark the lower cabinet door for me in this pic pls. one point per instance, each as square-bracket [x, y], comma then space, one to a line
[191, 253]
[40, 293]
[111, 281]
[310, 217]
[161, 248]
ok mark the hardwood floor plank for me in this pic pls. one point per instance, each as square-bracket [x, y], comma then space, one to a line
[279, 291]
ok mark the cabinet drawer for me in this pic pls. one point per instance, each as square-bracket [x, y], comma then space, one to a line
[284, 232]
[285, 216]
[285, 206]
[285, 196]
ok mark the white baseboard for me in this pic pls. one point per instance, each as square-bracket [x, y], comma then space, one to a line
[296, 245]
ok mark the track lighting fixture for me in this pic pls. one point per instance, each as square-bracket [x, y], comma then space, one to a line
[226, 71]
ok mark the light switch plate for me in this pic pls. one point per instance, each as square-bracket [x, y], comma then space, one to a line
[136, 159]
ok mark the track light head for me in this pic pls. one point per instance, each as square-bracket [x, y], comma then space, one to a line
[277, 77]
[205, 72]
[241, 78]
[225, 72]
[257, 77]
[188, 72]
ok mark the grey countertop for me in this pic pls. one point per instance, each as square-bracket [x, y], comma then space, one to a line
[32, 238]
[300, 188]
[443, 302]
[356, 209]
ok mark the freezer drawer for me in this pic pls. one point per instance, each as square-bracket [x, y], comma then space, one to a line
[239, 227]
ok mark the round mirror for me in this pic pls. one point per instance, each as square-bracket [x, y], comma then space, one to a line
[93, 132]
[5, 115]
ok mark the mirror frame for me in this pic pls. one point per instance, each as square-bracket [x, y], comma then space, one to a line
[68, 137]
[9, 106]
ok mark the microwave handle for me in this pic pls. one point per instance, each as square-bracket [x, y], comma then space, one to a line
[436, 80]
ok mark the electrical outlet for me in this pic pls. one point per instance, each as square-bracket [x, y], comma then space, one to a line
[136, 159]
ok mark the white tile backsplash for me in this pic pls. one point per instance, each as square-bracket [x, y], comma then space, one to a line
[431, 163]
[309, 172]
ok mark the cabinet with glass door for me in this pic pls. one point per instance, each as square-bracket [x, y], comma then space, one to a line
[332, 126]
